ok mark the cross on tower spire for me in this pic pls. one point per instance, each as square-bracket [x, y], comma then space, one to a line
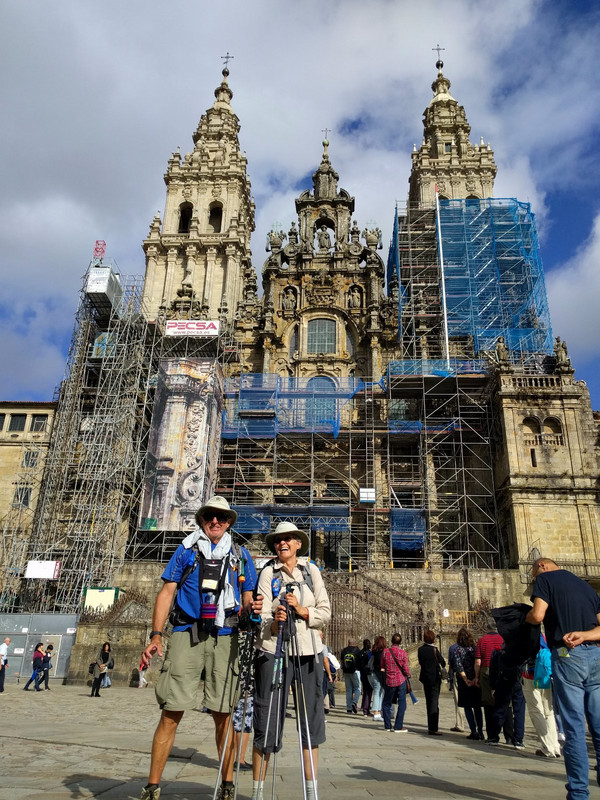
[226, 59]
[439, 63]
[325, 131]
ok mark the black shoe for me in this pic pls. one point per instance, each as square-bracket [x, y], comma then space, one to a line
[354, 708]
[473, 736]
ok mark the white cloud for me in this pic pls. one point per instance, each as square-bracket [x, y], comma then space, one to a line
[95, 98]
[574, 297]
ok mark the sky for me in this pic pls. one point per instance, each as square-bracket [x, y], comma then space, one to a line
[96, 96]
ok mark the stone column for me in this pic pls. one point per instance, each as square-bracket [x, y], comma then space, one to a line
[170, 274]
[188, 278]
[209, 278]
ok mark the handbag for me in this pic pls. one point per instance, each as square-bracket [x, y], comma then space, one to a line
[442, 671]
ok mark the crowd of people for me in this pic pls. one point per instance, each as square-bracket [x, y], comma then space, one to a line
[254, 640]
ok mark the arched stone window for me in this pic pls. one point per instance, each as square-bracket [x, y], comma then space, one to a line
[321, 336]
[553, 432]
[320, 408]
[294, 341]
[185, 217]
[215, 218]
[531, 426]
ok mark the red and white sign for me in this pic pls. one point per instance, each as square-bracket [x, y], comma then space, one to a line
[192, 327]
[49, 570]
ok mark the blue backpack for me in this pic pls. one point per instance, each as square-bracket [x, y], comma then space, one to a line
[542, 671]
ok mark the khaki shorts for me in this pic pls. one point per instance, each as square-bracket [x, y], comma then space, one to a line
[179, 680]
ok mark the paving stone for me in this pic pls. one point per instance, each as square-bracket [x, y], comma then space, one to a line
[82, 748]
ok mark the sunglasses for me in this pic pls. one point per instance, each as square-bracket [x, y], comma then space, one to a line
[281, 539]
[222, 516]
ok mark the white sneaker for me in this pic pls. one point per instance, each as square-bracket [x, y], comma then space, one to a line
[377, 717]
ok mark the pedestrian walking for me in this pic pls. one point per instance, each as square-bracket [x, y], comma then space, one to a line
[350, 661]
[453, 684]
[432, 663]
[47, 666]
[38, 658]
[365, 667]
[104, 662]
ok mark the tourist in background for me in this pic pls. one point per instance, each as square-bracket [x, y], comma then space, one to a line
[397, 672]
[103, 659]
[462, 654]
[38, 658]
[364, 665]
[490, 641]
[377, 677]
[453, 683]
[350, 661]
[432, 663]
[47, 666]
[3, 661]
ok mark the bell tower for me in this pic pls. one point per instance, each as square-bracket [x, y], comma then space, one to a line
[198, 256]
[447, 158]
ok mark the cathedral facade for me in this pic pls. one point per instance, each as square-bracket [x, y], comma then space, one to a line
[414, 413]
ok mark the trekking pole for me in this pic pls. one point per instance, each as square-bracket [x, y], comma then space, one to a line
[296, 667]
[245, 665]
[275, 687]
[250, 640]
[300, 688]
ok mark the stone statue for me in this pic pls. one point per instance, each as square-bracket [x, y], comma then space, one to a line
[354, 298]
[274, 241]
[501, 351]
[354, 233]
[289, 299]
[324, 238]
[293, 234]
[560, 351]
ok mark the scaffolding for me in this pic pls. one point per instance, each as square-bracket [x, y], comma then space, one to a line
[493, 280]
[440, 465]
[87, 516]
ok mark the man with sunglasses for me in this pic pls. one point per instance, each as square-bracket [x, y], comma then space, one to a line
[207, 583]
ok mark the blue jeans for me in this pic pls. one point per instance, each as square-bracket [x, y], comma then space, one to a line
[352, 681]
[577, 691]
[376, 680]
[507, 694]
[394, 694]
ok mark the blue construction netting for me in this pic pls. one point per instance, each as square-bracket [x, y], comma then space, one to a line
[258, 520]
[262, 406]
[408, 527]
[494, 276]
[437, 367]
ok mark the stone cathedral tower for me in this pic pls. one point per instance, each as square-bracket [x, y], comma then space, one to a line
[446, 157]
[198, 257]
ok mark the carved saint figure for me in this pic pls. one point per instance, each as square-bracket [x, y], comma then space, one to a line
[289, 299]
[354, 298]
[501, 351]
[274, 241]
[354, 233]
[293, 234]
[560, 351]
[324, 238]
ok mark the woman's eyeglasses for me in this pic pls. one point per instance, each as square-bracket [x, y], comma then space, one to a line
[284, 539]
[221, 516]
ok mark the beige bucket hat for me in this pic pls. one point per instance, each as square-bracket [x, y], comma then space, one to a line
[287, 527]
[216, 503]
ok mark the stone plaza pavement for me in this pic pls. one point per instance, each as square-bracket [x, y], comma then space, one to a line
[64, 744]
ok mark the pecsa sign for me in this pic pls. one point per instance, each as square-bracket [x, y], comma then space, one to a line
[192, 327]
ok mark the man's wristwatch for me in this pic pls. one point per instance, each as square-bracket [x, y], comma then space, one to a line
[155, 633]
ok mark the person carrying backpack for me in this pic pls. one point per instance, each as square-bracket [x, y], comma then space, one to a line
[208, 582]
[350, 660]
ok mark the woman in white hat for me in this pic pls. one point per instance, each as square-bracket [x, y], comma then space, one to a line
[301, 584]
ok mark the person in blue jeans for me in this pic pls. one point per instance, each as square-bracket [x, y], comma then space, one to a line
[350, 661]
[397, 672]
[570, 611]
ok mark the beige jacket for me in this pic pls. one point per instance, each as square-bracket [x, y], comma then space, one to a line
[319, 608]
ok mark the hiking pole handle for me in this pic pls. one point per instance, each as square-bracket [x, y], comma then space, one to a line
[280, 626]
[255, 618]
